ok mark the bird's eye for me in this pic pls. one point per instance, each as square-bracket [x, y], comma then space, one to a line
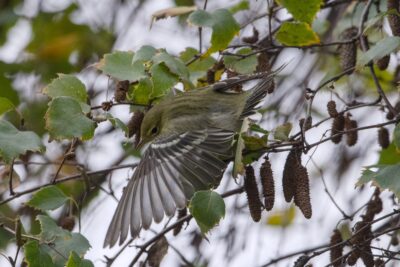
[154, 130]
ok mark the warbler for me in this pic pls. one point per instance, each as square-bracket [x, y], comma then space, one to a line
[189, 137]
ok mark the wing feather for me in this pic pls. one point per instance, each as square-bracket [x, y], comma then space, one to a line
[171, 170]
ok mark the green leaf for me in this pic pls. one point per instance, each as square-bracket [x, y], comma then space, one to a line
[141, 93]
[163, 80]
[385, 177]
[223, 24]
[396, 136]
[36, 256]
[66, 120]
[379, 50]
[14, 142]
[117, 123]
[75, 261]
[296, 34]
[5, 105]
[200, 66]
[304, 11]
[48, 198]
[144, 54]
[120, 65]
[66, 85]
[7, 90]
[242, 5]
[207, 208]
[254, 142]
[174, 64]
[282, 131]
[245, 65]
[63, 241]
[390, 155]
[257, 128]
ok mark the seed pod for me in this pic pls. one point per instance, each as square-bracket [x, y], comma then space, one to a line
[289, 175]
[337, 128]
[383, 63]
[307, 125]
[383, 137]
[336, 251]
[251, 39]
[348, 52]
[211, 76]
[181, 213]
[263, 62]
[157, 252]
[253, 196]
[352, 136]
[394, 20]
[331, 106]
[379, 263]
[135, 123]
[302, 191]
[121, 90]
[367, 256]
[267, 181]
[353, 257]
[67, 223]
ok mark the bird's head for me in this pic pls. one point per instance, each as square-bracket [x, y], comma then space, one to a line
[151, 126]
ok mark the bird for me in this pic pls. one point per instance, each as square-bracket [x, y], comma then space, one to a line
[186, 142]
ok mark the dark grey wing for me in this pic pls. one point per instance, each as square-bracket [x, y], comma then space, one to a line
[171, 170]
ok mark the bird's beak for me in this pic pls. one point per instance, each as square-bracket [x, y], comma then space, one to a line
[140, 144]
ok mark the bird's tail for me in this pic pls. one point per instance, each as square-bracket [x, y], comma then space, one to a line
[259, 91]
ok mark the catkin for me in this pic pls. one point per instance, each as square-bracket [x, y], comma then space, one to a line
[302, 191]
[379, 263]
[383, 137]
[253, 196]
[383, 63]
[289, 175]
[348, 52]
[352, 136]
[181, 213]
[394, 19]
[267, 181]
[336, 251]
[331, 106]
[121, 90]
[134, 125]
[337, 128]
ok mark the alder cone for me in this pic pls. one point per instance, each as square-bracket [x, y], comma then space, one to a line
[337, 128]
[267, 181]
[181, 213]
[353, 257]
[289, 175]
[253, 196]
[348, 52]
[336, 251]
[68, 223]
[135, 123]
[308, 123]
[352, 136]
[302, 191]
[383, 137]
[331, 106]
[379, 263]
[394, 20]
[121, 90]
[367, 256]
[383, 63]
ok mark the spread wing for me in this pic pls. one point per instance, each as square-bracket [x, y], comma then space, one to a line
[171, 170]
